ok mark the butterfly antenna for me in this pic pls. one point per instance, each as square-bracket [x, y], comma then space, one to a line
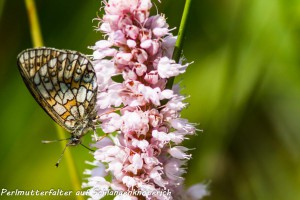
[61, 155]
[51, 141]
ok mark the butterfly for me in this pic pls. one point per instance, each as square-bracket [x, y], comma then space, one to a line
[64, 84]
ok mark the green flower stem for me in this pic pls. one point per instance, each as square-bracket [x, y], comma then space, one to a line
[35, 30]
[38, 42]
[2, 2]
[179, 42]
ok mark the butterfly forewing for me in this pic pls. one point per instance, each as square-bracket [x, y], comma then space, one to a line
[63, 82]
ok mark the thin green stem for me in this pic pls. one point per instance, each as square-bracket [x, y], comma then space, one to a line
[2, 2]
[38, 42]
[179, 42]
[35, 30]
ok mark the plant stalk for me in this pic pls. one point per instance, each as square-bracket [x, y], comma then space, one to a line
[37, 41]
[179, 42]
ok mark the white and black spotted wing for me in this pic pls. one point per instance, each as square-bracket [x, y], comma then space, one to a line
[64, 83]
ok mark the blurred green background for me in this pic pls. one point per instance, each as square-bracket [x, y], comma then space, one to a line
[244, 89]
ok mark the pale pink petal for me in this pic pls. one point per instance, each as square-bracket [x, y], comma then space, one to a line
[197, 191]
[155, 174]
[183, 124]
[103, 143]
[110, 122]
[166, 94]
[123, 58]
[167, 68]
[132, 31]
[142, 144]
[103, 44]
[173, 170]
[178, 152]
[161, 136]
[136, 164]
[168, 45]
[160, 32]
[131, 43]
[98, 170]
[115, 185]
[129, 181]
[140, 69]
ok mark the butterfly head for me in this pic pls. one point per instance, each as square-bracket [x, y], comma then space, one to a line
[74, 141]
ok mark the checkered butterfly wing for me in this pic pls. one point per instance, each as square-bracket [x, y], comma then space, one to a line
[63, 83]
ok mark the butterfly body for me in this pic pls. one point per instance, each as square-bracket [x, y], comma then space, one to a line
[64, 83]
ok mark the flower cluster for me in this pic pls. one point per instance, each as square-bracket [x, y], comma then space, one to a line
[142, 151]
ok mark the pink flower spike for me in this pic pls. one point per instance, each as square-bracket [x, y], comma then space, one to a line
[141, 116]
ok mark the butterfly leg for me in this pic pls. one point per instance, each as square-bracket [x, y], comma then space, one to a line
[95, 134]
[102, 137]
[108, 111]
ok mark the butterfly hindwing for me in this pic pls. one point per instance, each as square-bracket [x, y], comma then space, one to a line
[63, 82]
